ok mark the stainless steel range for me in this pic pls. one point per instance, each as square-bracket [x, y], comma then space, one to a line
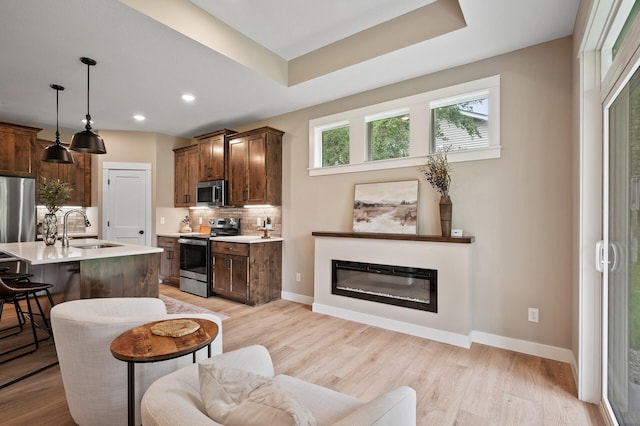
[195, 256]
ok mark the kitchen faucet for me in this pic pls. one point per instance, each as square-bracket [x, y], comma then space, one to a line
[65, 236]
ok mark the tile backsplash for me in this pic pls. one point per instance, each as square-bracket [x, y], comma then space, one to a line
[251, 219]
[75, 222]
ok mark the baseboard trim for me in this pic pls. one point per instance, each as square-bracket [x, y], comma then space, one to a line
[523, 346]
[294, 297]
[516, 345]
[394, 325]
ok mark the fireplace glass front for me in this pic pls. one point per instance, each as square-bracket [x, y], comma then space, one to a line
[415, 288]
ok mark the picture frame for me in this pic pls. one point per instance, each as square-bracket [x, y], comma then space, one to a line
[386, 207]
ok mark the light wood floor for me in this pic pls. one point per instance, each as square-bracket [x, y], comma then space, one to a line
[478, 386]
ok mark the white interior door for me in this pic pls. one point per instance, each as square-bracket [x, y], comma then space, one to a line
[127, 205]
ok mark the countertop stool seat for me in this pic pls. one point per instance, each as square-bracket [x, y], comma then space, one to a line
[8, 276]
[15, 293]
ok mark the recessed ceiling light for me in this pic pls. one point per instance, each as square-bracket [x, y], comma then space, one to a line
[139, 117]
[188, 97]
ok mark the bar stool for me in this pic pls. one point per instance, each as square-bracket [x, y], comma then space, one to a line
[9, 276]
[14, 293]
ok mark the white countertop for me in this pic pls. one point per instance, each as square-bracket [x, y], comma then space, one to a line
[250, 239]
[37, 253]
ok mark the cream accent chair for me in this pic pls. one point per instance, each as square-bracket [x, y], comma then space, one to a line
[95, 383]
[175, 398]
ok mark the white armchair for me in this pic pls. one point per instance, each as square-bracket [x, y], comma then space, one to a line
[176, 398]
[95, 383]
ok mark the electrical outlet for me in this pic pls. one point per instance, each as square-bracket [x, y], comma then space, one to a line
[161, 220]
[200, 221]
[258, 221]
[298, 277]
[533, 315]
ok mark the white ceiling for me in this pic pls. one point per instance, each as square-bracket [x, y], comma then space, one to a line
[144, 66]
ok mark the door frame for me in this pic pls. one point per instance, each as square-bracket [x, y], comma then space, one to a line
[600, 79]
[146, 167]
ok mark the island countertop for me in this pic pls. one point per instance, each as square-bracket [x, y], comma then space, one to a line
[37, 253]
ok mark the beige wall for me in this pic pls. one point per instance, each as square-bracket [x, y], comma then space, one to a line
[518, 207]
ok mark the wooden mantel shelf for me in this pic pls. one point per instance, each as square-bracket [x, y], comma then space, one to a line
[402, 237]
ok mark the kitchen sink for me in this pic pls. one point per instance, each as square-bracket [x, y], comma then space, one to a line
[96, 246]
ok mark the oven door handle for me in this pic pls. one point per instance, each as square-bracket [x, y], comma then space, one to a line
[193, 242]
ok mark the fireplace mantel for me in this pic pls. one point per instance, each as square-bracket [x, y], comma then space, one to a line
[397, 237]
[451, 257]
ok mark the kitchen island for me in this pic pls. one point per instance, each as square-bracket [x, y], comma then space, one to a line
[91, 268]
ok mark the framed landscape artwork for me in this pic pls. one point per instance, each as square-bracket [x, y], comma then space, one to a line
[387, 207]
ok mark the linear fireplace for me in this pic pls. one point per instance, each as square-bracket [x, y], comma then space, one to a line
[415, 288]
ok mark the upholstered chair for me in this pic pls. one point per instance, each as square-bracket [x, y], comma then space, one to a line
[95, 383]
[181, 398]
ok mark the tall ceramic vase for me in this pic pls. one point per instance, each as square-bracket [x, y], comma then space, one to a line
[446, 209]
[50, 229]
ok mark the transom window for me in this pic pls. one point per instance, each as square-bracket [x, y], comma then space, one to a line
[464, 119]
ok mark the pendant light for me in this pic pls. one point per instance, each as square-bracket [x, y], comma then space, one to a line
[57, 153]
[88, 141]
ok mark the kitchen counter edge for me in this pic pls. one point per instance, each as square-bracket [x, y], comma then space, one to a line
[37, 253]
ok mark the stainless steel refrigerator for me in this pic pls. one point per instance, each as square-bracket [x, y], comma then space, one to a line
[17, 209]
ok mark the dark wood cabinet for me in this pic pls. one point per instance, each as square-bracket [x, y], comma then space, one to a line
[186, 175]
[213, 150]
[17, 149]
[248, 273]
[169, 260]
[254, 167]
[78, 174]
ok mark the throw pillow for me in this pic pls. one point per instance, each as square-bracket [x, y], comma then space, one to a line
[233, 397]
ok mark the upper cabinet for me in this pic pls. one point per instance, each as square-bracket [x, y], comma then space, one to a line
[213, 150]
[254, 167]
[17, 146]
[78, 174]
[186, 175]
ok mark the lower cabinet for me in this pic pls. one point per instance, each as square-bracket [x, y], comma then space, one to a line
[247, 273]
[169, 260]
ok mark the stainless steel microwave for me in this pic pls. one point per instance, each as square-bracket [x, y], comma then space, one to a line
[211, 194]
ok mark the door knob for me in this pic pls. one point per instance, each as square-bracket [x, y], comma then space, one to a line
[140, 232]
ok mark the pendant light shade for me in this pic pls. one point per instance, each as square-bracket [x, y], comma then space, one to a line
[88, 141]
[57, 153]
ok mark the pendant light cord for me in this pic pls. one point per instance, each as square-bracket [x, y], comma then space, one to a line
[57, 113]
[88, 116]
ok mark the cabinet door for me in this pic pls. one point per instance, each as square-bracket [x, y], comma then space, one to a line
[237, 161]
[256, 170]
[239, 288]
[165, 262]
[193, 164]
[186, 176]
[231, 276]
[212, 155]
[17, 146]
[175, 264]
[180, 177]
[221, 274]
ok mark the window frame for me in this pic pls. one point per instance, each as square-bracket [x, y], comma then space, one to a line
[419, 107]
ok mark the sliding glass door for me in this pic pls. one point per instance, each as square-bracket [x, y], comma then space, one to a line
[622, 283]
